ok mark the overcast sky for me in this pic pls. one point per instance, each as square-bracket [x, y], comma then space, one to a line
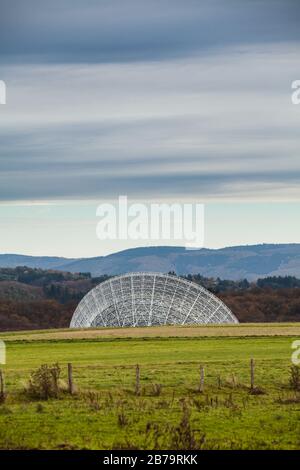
[156, 99]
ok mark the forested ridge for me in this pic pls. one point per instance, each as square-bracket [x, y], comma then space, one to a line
[37, 299]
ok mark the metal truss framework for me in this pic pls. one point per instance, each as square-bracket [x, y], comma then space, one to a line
[144, 299]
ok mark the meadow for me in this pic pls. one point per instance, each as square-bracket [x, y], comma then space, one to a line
[168, 411]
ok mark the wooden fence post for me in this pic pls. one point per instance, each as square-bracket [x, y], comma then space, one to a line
[2, 386]
[137, 380]
[201, 384]
[70, 378]
[252, 373]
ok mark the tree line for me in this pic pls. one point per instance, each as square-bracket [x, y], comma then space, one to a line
[271, 299]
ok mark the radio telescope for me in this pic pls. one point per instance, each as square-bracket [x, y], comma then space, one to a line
[145, 299]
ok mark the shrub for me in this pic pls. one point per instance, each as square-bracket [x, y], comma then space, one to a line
[43, 383]
[122, 419]
[183, 436]
[93, 399]
[39, 408]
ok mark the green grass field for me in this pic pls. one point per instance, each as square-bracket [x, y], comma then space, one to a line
[105, 413]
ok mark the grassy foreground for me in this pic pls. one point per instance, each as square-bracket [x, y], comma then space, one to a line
[170, 412]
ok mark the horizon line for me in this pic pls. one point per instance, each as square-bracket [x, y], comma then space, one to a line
[149, 247]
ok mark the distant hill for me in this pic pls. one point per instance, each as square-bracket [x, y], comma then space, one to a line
[42, 262]
[238, 262]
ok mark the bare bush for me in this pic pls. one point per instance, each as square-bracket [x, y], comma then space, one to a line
[43, 382]
[122, 419]
[183, 436]
[93, 399]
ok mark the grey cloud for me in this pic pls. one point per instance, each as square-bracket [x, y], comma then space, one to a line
[180, 154]
[220, 125]
[68, 168]
[138, 30]
[37, 186]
